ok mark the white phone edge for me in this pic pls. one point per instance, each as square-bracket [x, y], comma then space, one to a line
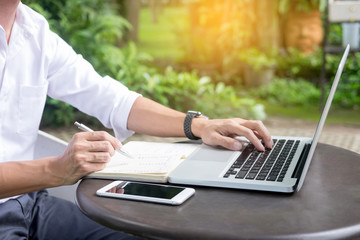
[176, 200]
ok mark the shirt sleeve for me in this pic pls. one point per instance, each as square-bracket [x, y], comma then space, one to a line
[73, 80]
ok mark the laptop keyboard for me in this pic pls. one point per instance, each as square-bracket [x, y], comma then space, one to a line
[270, 165]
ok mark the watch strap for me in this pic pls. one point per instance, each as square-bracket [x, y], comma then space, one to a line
[187, 124]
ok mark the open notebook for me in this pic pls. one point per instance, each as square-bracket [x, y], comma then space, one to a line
[153, 161]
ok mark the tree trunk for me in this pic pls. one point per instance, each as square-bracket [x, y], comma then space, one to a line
[132, 15]
[267, 25]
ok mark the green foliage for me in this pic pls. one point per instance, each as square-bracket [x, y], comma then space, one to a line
[57, 113]
[164, 32]
[133, 67]
[287, 92]
[348, 92]
[301, 5]
[94, 29]
[222, 101]
[295, 64]
[184, 90]
[91, 27]
[217, 31]
[298, 66]
[257, 59]
[335, 34]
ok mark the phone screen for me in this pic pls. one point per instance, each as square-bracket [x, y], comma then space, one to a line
[146, 190]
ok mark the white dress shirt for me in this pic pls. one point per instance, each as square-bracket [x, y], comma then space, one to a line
[37, 63]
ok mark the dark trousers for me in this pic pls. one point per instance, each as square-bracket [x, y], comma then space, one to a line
[40, 216]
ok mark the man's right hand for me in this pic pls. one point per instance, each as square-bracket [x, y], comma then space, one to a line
[87, 152]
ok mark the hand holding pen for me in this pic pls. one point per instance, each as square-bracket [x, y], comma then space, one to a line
[87, 129]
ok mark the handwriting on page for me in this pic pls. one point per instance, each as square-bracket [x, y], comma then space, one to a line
[150, 157]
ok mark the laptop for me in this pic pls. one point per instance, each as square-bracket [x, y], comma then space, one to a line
[280, 169]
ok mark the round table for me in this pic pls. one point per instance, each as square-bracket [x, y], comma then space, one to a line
[327, 207]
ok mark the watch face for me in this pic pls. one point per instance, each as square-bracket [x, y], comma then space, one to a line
[193, 112]
[197, 114]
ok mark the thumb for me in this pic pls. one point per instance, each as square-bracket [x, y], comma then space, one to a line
[233, 144]
[227, 142]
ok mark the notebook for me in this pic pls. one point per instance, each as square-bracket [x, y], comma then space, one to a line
[281, 169]
[151, 162]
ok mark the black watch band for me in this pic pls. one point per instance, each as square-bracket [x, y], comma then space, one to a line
[187, 123]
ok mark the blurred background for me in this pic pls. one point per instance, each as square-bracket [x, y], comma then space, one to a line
[272, 60]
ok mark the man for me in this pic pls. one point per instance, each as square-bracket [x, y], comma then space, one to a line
[34, 62]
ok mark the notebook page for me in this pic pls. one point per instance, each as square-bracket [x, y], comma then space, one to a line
[150, 157]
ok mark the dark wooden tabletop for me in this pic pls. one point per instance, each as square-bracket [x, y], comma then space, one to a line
[327, 207]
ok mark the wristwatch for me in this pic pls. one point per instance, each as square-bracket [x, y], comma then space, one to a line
[187, 123]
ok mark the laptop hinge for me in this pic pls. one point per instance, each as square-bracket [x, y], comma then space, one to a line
[301, 163]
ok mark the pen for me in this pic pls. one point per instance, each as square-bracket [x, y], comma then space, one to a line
[87, 129]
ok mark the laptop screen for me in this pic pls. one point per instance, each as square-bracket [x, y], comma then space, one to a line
[323, 117]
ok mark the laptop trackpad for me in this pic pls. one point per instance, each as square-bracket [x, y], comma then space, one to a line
[207, 153]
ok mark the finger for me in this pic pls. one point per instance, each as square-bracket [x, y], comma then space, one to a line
[103, 136]
[260, 131]
[233, 128]
[98, 157]
[120, 190]
[241, 130]
[101, 146]
[250, 135]
[268, 143]
[224, 141]
[231, 143]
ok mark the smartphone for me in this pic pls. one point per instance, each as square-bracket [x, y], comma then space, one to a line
[147, 192]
